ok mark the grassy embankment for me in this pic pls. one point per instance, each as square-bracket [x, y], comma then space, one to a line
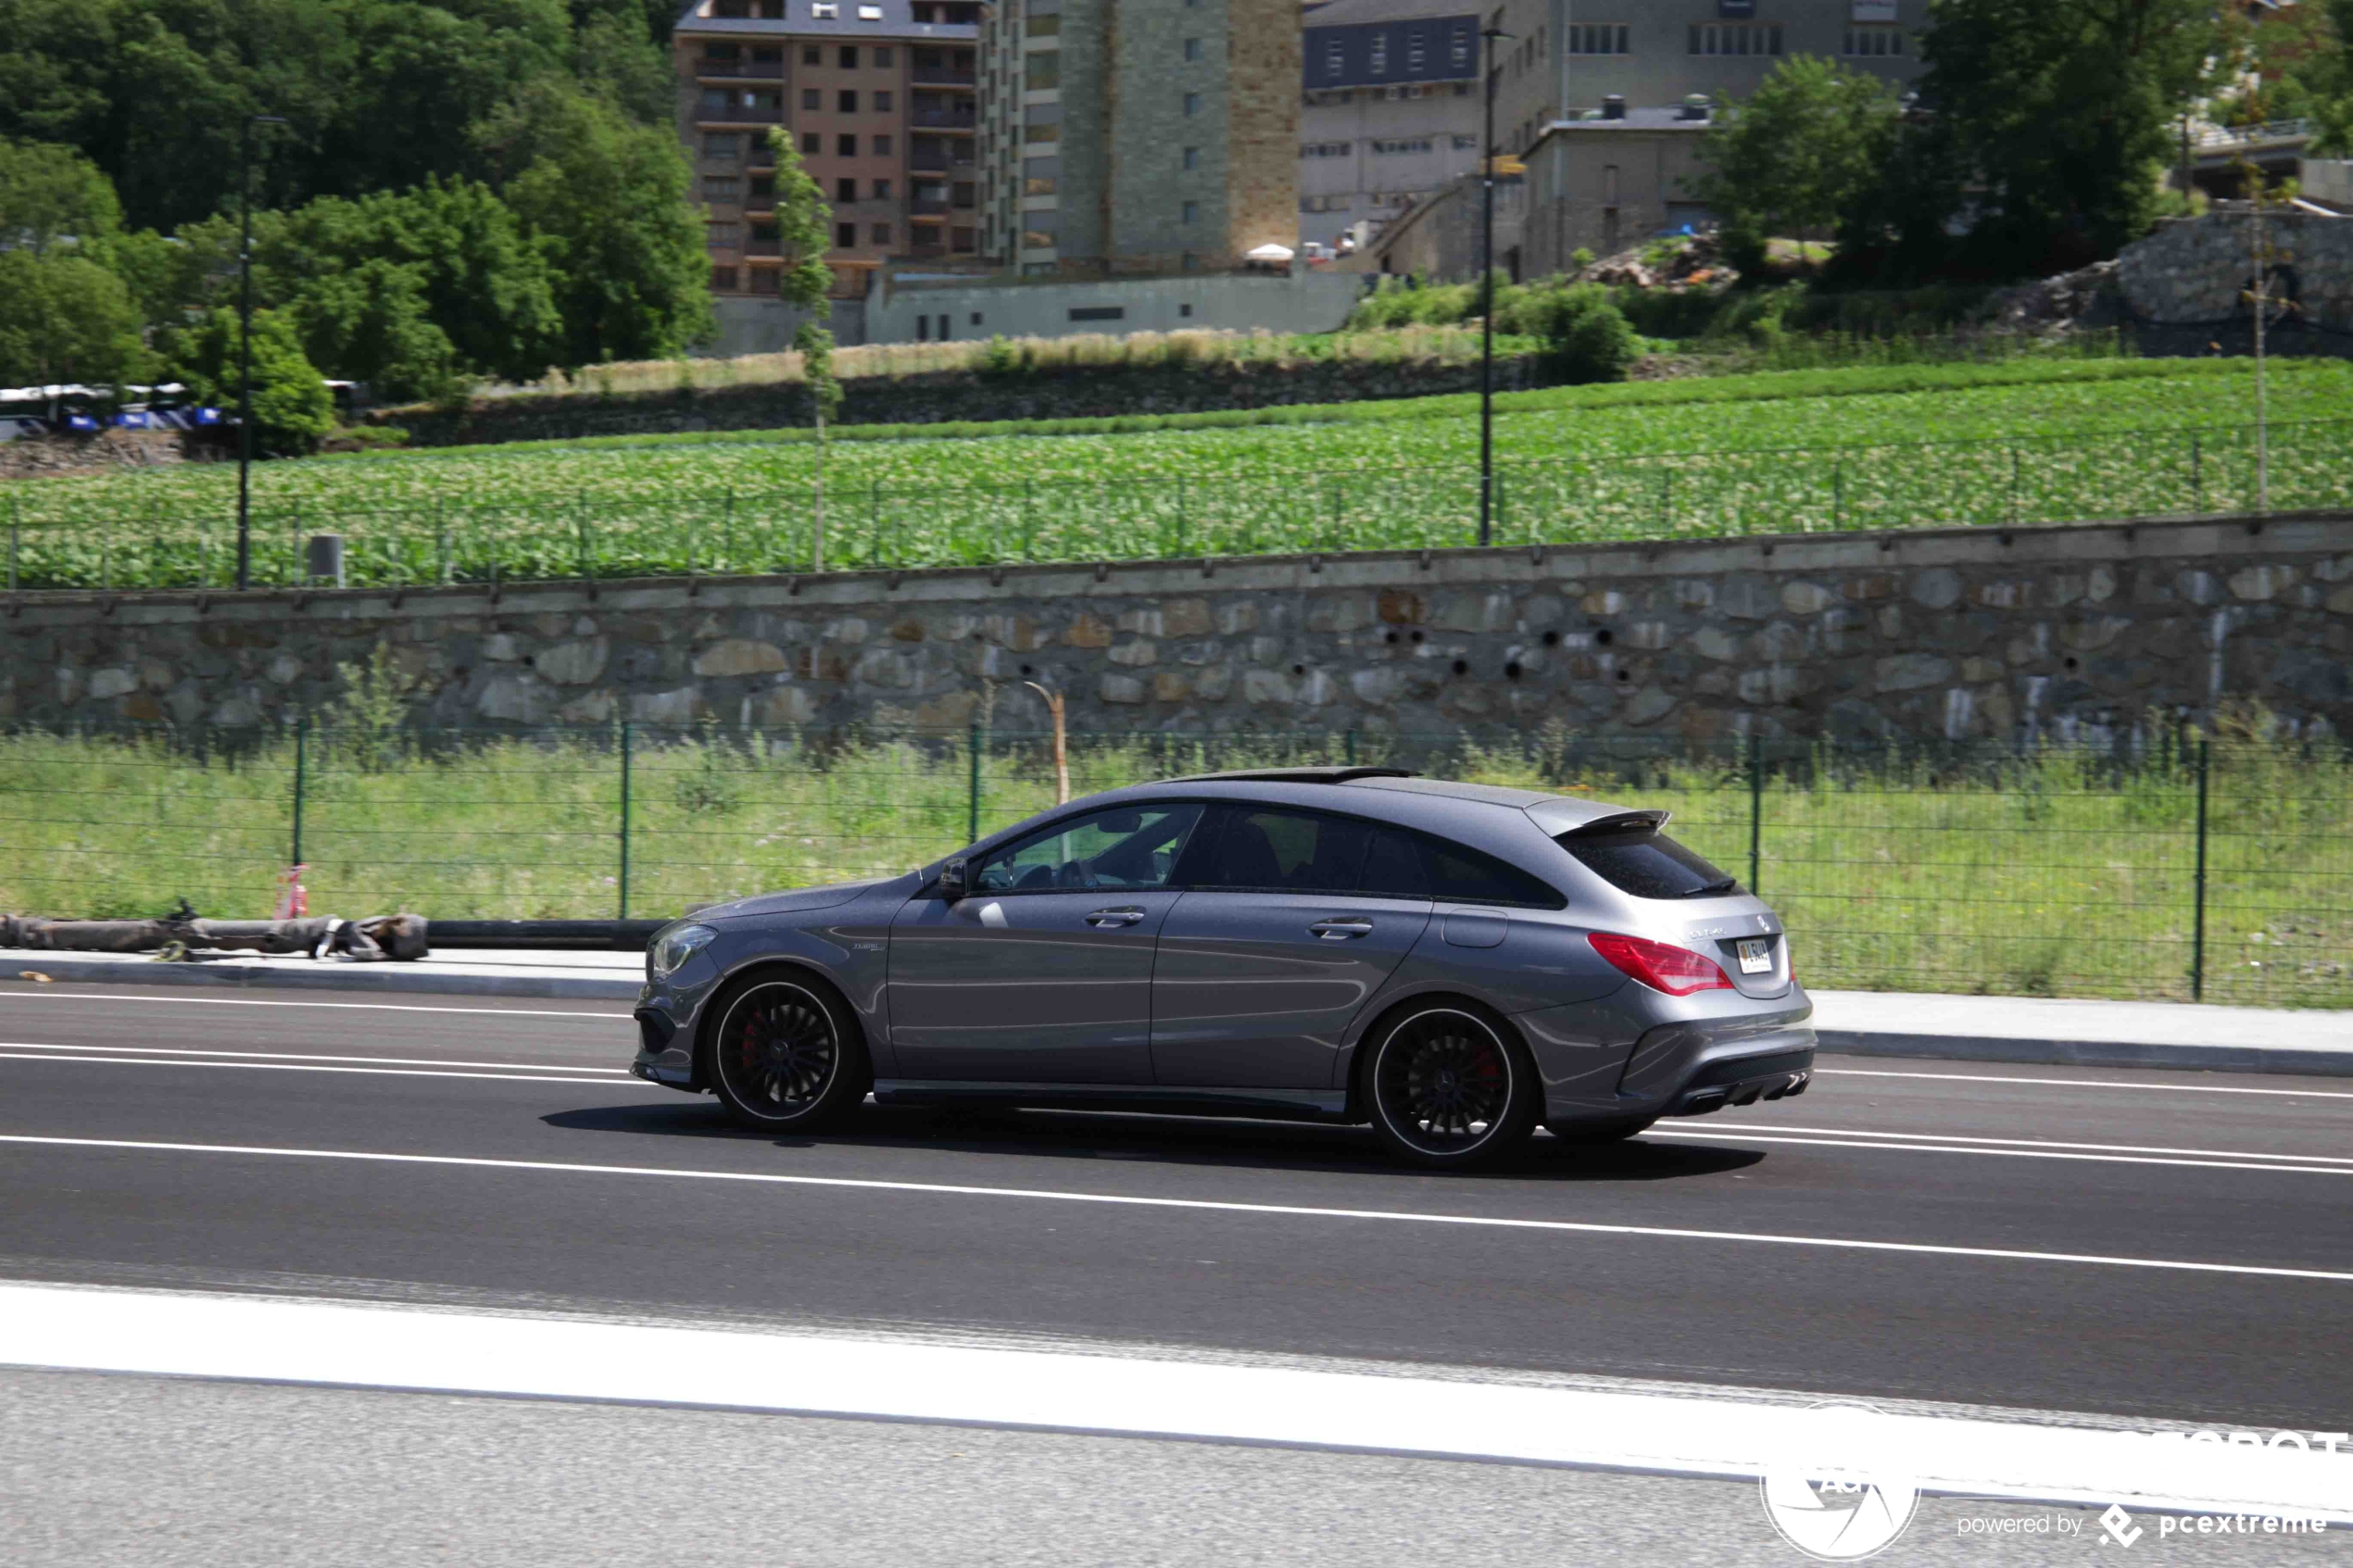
[2058, 875]
[1862, 447]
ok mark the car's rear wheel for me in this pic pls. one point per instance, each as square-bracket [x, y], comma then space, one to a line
[784, 1054]
[1448, 1086]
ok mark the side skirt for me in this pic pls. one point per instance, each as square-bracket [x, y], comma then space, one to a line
[1289, 1105]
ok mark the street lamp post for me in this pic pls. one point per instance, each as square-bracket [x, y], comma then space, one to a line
[1492, 35]
[245, 344]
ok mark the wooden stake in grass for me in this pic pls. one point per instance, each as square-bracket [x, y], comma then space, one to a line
[1062, 742]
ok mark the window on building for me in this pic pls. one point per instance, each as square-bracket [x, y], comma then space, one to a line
[882, 190]
[1192, 104]
[846, 100]
[1335, 58]
[1381, 53]
[1192, 48]
[882, 103]
[1601, 38]
[1037, 239]
[1192, 212]
[847, 57]
[1193, 157]
[1099, 312]
[763, 56]
[845, 236]
[1046, 26]
[812, 143]
[884, 58]
[1458, 48]
[720, 236]
[825, 11]
[1396, 145]
[1415, 51]
[762, 187]
[1039, 185]
[1467, 143]
[723, 280]
[811, 99]
[1735, 38]
[811, 54]
[1874, 41]
[722, 53]
[1042, 70]
[845, 191]
[881, 232]
[1034, 133]
[723, 146]
[1326, 149]
[722, 187]
[846, 145]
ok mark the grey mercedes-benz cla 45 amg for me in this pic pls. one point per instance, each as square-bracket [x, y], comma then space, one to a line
[1452, 963]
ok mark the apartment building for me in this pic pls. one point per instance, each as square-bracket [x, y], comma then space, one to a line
[1568, 57]
[1389, 109]
[879, 95]
[1138, 136]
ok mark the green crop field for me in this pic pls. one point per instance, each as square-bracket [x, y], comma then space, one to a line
[1865, 447]
[2059, 873]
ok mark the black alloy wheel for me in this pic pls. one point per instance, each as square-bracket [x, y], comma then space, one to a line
[1448, 1089]
[782, 1056]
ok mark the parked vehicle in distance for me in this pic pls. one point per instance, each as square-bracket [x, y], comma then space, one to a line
[1452, 962]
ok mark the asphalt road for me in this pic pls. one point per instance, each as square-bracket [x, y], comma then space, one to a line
[1984, 1225]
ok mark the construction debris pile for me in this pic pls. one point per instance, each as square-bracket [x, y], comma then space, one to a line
[183, 934]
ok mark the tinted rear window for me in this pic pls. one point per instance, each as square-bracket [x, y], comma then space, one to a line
[1647, 864]
[1412, 865]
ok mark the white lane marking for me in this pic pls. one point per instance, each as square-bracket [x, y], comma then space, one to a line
[302, 1055]
[2078, 1083]
[298, 1067]
[2026, 1143]
[46, 996]
[1207, 1205]
[1701, 1432]
[2013, 1153]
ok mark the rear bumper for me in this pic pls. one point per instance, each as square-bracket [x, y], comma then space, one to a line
[1700, 1065]
[1745, 1080]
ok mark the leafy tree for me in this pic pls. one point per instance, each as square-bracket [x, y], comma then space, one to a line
[65, 319]
[51, 193]
[1793, 159]
[292, 410]
[1586, 336]
[2046, 128]
[804, 231]
[608, 198]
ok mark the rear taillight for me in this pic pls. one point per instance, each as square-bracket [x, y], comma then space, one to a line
[1662, 966]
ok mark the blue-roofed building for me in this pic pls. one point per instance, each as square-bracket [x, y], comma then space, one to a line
[1389, 111]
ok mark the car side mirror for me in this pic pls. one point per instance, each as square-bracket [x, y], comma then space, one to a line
[953, 884]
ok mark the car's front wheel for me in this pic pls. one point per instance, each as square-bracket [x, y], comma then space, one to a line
[784, 1054]
[1448, 1086]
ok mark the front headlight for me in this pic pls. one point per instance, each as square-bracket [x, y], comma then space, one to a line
[675, 946]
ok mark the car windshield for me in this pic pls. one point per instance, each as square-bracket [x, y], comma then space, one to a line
[1646, 863]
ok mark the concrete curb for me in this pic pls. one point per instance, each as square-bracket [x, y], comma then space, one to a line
[433, 979]
[2089, 1053]
[395, 978]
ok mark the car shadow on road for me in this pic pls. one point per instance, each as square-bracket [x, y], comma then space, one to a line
[1162, 1140]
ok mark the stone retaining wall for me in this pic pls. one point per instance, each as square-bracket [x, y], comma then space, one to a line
[2064, 632]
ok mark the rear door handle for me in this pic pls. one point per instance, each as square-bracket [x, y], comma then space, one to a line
[1115, 917]
[1342, 929]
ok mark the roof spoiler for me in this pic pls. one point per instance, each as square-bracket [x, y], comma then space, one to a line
[1620, 822]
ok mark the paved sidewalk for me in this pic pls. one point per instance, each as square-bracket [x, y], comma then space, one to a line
[2013, 1029]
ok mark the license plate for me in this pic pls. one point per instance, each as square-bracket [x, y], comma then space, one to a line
[1756, 955]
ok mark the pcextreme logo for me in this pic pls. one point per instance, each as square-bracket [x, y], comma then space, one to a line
[1827, 1507]
[2117, 1526]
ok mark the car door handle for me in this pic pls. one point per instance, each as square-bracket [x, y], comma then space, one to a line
[1341, 930]
[1115, 917]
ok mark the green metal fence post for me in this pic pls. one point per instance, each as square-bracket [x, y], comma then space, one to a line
[623, 878]
[302, 756]
[2013, 486]
[1838, 494]
[16, 528]
[1755, 813]
[2198, 474]
[582, 519]
[1351, 748]
[2197, 918]
[1181, 515]
[972, 789]
[873, 517]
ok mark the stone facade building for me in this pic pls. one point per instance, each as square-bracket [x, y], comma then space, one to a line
[1138, 136]
[1389, 109]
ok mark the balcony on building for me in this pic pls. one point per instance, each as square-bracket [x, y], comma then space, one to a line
[724, 62]
[739, 106]
[945, 68]
[940, 111]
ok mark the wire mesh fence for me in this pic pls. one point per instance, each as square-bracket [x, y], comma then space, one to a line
[1565, 500]
[2220, 870]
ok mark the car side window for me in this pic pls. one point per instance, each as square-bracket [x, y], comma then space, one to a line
[1414, 865]
[1125, 847]
[1261, 850]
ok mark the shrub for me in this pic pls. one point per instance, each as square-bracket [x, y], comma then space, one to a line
[1587, 338]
